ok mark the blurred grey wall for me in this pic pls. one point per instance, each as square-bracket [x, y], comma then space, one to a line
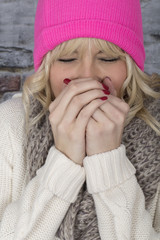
[16, 41]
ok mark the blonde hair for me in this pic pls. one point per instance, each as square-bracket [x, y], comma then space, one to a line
[137, 86]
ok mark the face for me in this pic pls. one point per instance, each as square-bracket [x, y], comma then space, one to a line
[93, 64]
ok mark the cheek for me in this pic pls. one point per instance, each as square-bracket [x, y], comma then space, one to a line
[56, 81]
[119, 76]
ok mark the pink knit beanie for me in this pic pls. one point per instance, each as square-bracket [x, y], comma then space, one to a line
[116, 21]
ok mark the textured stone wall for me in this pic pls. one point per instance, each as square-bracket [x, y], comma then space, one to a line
[151, 29]
[16, 41]
[16, 44]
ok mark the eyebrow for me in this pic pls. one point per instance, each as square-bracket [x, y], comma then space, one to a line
[96, 54]
[100, 52]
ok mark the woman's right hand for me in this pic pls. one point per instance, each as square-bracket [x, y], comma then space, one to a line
[70, 113]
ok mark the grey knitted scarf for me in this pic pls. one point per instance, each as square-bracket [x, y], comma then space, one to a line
[143, 150]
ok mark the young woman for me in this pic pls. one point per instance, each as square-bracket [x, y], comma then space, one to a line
[79, 156]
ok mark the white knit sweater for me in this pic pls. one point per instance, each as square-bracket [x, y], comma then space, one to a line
[35, 210]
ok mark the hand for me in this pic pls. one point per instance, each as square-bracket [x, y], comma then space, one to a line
[70, 113]
[105, 127]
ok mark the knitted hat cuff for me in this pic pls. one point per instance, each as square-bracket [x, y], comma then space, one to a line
[118, 34]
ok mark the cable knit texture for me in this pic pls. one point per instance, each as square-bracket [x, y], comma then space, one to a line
[143, 150]
[111, 164]
[112, 207]
[121, 169]
[119, 22]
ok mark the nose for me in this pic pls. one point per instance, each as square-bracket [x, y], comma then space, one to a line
[87, 69]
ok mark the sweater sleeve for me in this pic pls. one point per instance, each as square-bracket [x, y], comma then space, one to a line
[40, 208]
[119, 200]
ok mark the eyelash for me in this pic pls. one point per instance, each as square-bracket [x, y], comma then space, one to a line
[66, 60]
[105, 60]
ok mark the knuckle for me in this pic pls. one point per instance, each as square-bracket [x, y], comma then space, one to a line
[120, 117]
[53, 121]
[51, 118]
[50, 107]
[126, 107]
[61, 128]
[111, 126]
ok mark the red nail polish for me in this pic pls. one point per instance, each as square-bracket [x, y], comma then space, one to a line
[105, 87]
[66, 80]
[107, 92]
[104, 98]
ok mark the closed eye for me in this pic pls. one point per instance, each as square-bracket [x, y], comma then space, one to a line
[67, 60]
[102, 59]
[109, 60]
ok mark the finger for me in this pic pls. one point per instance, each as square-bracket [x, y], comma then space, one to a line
[111, 112]
[92, 122]
[111, 121]
[86, 113]
[118, 103]
[71, 90]
[78, 102]
[64, 89]
[90, 83]
[56, 101]
[100, 116]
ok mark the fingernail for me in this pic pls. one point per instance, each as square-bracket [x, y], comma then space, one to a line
[104, 98]
[107, 92]
[66, 80]
[105, 87]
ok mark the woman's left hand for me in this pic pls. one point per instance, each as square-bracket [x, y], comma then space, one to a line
[105, 127]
